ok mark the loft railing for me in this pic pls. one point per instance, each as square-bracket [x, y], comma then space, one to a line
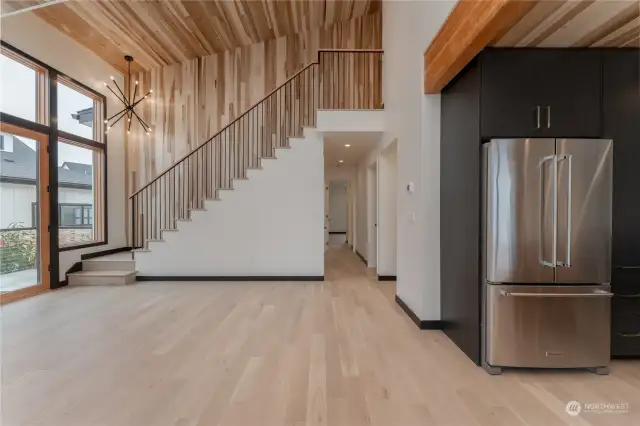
[340, 79]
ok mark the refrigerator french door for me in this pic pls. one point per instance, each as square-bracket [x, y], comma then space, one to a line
[547, 254]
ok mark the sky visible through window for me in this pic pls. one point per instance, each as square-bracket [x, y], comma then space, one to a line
[18, 97]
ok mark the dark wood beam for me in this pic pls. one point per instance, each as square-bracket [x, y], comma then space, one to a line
[471, 26]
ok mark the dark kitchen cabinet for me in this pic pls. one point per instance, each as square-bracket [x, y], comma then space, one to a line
[541, 93]
[621, 122]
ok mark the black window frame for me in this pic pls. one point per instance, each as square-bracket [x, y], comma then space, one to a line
[54, 135]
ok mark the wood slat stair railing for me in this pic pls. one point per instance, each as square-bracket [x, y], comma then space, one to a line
[340, 79]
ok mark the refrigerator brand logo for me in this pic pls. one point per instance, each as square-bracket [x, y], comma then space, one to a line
[573, 408]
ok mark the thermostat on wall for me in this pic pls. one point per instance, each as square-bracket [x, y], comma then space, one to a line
[410, 187]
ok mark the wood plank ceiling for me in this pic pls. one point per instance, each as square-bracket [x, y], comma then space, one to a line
[586, 23]
[162, 32]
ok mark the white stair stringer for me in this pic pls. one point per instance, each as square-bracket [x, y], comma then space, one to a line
[270, 224]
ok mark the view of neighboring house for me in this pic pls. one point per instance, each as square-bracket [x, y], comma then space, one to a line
[18, 188]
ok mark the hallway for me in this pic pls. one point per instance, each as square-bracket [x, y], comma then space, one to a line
[337, 353]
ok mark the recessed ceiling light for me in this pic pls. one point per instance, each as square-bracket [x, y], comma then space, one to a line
[347, 145]
[340, 161]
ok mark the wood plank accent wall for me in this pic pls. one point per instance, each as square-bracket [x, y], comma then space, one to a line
[194, 99]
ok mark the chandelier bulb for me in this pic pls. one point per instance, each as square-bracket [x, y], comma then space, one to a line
[151, 91]
[128, 132]
[105, 84]
[147, 133]
[136, 81]
[106, 121]
[112, 78]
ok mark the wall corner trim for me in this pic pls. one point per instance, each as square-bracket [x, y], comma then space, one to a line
[422, 324]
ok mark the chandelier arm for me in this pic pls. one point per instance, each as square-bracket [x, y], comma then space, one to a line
[130, 117]
[123, 113]
[140, 100]
[135, 92]
[119, 90]
[142, 123]
[146, 127]
[119, 118]
[116, 114]
[119, 98]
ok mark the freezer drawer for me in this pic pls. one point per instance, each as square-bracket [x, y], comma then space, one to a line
[548, 326]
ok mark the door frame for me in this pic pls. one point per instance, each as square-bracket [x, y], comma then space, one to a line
[44, 236]
[372, 215]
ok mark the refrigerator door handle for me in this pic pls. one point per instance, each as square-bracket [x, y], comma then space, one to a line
[568, 158]
[543, 160]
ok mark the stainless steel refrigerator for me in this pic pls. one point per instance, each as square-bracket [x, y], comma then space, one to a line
[546, 256]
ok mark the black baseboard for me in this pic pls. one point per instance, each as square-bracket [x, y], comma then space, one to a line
[362, 258]
[337, 233]
[422, 324]
[387, 278]
[88, 256]
[234, 278]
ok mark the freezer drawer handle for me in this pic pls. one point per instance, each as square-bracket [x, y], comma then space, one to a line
[598, 293]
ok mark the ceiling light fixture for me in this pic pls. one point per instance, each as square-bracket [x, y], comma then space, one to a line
[129, 102]
[347, 145]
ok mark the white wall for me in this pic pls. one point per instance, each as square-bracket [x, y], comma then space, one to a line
[414, 119]
[338, 206]
[269, 225]
[350, 121]
[388, 210]
[35, 37]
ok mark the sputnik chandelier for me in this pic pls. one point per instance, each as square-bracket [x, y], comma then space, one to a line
[129, 102]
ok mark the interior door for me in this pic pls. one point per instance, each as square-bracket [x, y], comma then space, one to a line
[24, 222]
[585, 179]
[519, 219]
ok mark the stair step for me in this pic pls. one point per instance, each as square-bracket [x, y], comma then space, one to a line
[109, 265]
[102, 278]
[140, 250]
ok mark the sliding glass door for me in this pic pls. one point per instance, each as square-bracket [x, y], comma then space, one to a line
[24, 212]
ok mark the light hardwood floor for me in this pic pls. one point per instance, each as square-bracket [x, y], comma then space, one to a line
[338, 353]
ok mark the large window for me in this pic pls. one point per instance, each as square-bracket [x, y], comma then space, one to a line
[24, 89]
[80, 146]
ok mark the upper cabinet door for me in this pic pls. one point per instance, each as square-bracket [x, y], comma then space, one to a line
[510, 101]
[621, 93]
[541, 93]
[571, 82]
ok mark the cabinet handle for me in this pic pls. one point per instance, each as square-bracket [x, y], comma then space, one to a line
[629, 334]
[629, 296]
[538, 117]
[548, 117]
